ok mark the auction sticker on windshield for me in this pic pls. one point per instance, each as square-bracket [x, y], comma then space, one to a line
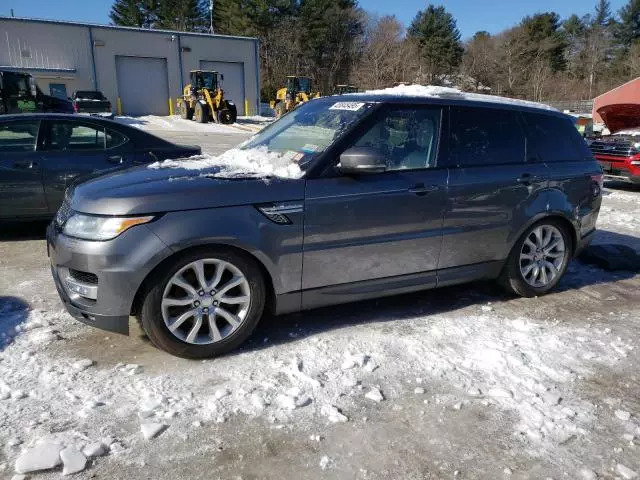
[351, 106]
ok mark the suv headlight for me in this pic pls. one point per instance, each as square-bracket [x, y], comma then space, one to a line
[91, 227]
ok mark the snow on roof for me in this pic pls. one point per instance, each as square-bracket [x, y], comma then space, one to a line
[432, 91]
[253, 162]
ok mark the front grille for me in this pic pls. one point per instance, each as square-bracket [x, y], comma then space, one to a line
[84, 277]
[64, 212]
[612, 148]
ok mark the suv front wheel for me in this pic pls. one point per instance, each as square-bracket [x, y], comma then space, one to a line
[204, 303]
[538, 260]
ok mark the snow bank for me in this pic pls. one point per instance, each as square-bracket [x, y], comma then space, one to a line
[432, 91]
[255, 162]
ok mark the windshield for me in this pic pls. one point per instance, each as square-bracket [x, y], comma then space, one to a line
[285, 148]
[209, 80]
[89, 95]
[304, 84]
[308, 130]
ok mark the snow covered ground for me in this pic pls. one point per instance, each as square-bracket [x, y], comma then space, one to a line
[461, 379]
[154, 123]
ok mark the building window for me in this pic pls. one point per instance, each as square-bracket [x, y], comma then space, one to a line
[58, 90]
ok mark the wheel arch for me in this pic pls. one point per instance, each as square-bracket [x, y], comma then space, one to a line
[557, 216]
[140, 294]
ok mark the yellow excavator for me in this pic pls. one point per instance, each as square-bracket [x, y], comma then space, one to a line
[297, 91]
[203, 99]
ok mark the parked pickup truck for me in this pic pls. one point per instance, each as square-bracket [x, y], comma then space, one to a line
[91, 102]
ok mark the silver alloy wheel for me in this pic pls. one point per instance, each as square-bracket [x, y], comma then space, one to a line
[206, 301]
[542, 255]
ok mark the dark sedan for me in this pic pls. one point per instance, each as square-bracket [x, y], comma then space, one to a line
[42, 154]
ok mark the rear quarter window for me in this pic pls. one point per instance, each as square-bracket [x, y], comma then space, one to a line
[486, 136]
[555, 139]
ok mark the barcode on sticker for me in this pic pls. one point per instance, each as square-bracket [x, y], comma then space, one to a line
[351, 106]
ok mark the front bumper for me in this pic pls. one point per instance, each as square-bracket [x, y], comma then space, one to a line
[119, 266]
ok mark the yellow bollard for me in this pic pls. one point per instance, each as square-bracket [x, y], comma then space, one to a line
[246, 107]
[119, 107]
[170, 108]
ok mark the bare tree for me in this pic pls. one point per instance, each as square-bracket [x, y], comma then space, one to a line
[633, 61]
[385, 55]
[480, 60]
[511, 50]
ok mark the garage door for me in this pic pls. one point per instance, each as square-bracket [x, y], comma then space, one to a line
[143, 85]
[233, 84]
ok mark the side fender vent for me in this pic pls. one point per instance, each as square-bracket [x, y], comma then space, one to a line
[277, 212]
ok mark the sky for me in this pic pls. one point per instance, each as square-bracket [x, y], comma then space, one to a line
[471, 15]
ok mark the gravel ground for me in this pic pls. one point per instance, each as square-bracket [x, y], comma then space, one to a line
[461, 382]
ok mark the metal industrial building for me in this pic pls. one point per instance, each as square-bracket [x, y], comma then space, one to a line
[144, 70]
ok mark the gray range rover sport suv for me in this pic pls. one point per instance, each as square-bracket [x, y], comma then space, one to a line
[343, 199]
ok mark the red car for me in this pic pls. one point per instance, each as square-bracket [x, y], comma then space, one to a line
[619, 153]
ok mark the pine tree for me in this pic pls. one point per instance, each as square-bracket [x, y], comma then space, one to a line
[231, 17]
[328, 29]
[134, 13]
[628, 29]
[545, 39]
[183, 15]
[602, 15]
[438, 37]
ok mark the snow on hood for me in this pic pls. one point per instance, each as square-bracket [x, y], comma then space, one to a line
[432, 91]
[255, 162]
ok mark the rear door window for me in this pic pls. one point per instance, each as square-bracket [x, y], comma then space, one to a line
[554, 138]
[486, 136]
[69, 135]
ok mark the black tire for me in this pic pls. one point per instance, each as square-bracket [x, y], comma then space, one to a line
[280, 109]
[228, 115]
[152, 322]
[201, 113]
[186, 112]
[511, 277]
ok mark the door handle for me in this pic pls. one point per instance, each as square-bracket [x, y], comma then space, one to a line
[421, 189]
[116, 159]
[25, 164]
[526, 179]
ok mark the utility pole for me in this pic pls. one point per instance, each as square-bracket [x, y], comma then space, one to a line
[211, 17]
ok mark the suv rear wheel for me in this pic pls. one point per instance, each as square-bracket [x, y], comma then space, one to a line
[538, 260]
[204, 303]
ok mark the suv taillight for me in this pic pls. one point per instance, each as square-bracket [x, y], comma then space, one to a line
[75, 107]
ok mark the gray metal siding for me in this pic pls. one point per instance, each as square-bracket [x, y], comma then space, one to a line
[233, 83]
[52, 54]
[68, 47]
[143, 85]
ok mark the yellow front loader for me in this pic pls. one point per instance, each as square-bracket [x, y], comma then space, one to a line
[297, 91]
[203, 99]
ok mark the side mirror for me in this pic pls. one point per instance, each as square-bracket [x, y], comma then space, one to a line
[362, 160]
[222, 77]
